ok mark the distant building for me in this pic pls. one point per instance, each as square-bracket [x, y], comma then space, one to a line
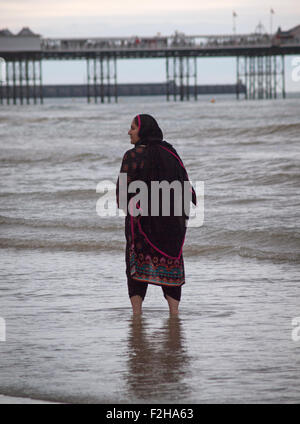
[5, 33]
[25, 40]
[291, 34]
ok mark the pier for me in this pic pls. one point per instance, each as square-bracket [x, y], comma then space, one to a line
[259, 62]
[138, 89]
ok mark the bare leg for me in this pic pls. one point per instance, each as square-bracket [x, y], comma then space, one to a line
[173, 305]
[136, 303]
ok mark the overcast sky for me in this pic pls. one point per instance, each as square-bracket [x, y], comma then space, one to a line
[91, 18]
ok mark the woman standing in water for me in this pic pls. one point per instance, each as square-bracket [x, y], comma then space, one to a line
[154, 241]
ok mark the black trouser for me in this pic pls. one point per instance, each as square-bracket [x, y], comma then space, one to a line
[140, 288]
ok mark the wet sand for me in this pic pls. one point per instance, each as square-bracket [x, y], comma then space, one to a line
[5, 400]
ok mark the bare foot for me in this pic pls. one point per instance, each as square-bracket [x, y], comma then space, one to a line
[173, 305]
[136, 303]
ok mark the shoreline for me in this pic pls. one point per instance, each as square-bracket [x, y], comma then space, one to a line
[8, 400]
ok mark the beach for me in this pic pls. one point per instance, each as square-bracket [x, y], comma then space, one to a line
[10, 400]
[70, 333]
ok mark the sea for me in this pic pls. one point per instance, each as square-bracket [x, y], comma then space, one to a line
[67, 333]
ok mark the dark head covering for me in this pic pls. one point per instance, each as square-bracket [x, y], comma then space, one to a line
[151, 135]
[149, 130]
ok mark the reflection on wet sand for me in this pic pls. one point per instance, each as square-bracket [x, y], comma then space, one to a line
[157, 360]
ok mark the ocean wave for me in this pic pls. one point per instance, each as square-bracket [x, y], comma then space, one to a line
[78, 194]
[78, 225]
[217, 251]
[12, 118]
[68, 245]
[195, 250]
[57, 159]
[280, 238]
[51, 119]
[279, 178]
[237, 133]
[90, 245]
[246, 252]
[269, 129]
[50, 195]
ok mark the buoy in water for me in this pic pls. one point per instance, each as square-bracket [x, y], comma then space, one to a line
[212, 101]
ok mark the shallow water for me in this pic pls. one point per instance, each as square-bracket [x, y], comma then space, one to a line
[70, 334]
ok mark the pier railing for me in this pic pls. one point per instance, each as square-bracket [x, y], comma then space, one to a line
[165, 43]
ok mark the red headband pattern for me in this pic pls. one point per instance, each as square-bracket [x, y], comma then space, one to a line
[139, 121]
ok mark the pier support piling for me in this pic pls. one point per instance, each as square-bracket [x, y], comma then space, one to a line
[23, 76]
[181, 69]
[263, 76]
[102, 78]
